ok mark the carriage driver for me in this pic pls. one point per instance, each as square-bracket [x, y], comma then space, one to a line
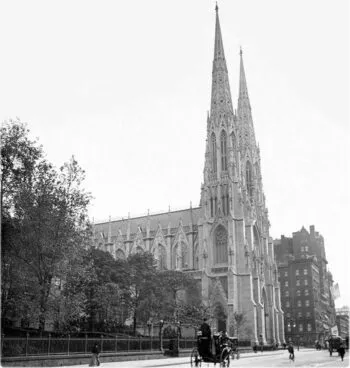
[206, 337]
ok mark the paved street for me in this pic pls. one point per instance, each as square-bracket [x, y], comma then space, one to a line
[303, 358]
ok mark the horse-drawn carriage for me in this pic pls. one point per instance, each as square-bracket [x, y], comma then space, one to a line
[224, 349]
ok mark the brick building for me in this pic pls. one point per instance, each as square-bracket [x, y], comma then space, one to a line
[306, 299]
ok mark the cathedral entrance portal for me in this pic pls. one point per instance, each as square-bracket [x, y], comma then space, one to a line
[221, 317]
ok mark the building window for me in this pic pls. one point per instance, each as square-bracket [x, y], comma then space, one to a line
[223, 146]
[300, 314]
[296, 272]
[285, 273]
[308, 314]
[221, 244]
[302, 248]
[298, 292]
[287, 304]
[309, 327]
[298, 283]
[306, 248]
[286, 283]
[307, 303]
[288, 315]
[305, 271]
[289, 328]
[176, 258]
[299, 303]
[286, 293]
[305, 282]
[213, 150]
[162, 257]
[249, 178]
[184, 256]
[300, 327]
[196, 258]
[306, 292]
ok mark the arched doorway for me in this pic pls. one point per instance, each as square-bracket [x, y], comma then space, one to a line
[221, 317]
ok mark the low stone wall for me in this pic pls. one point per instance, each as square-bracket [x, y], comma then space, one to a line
[64, 360]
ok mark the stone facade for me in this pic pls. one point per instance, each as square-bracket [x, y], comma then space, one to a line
[224, 242]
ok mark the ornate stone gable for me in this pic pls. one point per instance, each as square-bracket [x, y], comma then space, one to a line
[218, 292]
[158, 239]
[138, 242]
[180, 236]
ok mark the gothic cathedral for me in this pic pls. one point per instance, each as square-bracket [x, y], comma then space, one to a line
[224, 243]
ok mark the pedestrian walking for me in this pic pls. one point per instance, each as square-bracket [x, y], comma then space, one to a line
[341, 351]
[291, 351]
[261, 343]
[95, 361]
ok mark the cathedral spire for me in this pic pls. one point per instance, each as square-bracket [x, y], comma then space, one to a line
[220, 92]
[244, 112]
[243, 89]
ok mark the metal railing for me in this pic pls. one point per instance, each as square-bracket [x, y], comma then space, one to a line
[36, 346]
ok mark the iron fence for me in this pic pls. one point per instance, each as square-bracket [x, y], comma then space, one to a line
[36, 346]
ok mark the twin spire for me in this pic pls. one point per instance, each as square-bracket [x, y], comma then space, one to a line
[221, 94]
[221, 102]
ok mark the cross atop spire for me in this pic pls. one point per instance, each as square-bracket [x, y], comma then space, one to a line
[220, 95]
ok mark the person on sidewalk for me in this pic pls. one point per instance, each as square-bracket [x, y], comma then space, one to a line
[95, 356]
[291, 351]
[341, 351]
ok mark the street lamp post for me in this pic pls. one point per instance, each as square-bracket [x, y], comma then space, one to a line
[149, 325]
[291, 325]
[178, 334]
[161, 324]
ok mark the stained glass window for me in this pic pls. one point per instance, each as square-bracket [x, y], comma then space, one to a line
[221, 244]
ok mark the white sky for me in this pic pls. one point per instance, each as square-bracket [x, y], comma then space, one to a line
[125, 87]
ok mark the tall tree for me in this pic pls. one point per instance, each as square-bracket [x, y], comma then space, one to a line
[140, 284]
[45, 212]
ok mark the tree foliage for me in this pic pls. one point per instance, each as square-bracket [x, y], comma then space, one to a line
[50, 270]
[44, 215]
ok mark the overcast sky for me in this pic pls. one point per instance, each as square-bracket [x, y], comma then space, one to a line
[125, 87]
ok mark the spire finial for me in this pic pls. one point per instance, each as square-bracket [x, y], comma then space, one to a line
[216, 7]
[240, 50]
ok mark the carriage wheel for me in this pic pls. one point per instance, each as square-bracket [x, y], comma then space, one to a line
[195, 358]
[225, 358]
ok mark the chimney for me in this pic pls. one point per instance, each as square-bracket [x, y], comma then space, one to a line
[312, 230]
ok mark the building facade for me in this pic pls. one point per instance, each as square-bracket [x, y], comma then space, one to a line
[306, 285]
[342, 319]
[224, 242]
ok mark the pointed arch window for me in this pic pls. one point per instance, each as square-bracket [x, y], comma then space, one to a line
[184, 256]
[196, 258]
[213, 150]
[223, 147]
[161, 257]
[175, 258]
[249, 178]
[220, 241]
